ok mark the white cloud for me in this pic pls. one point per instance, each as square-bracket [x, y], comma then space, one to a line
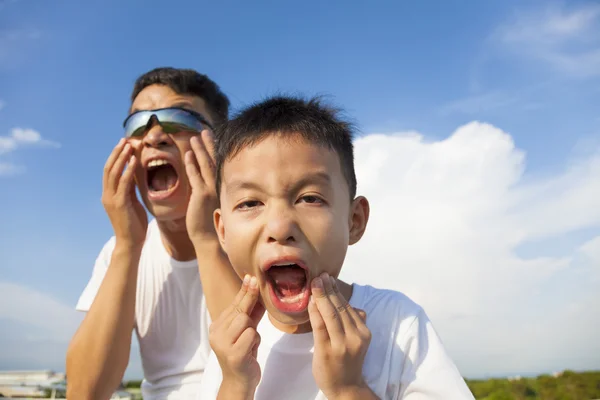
[8, 169]
[566, 38]
[20, 137]
[447, 220]
[52, 319]
[2, 104]
[37, 328]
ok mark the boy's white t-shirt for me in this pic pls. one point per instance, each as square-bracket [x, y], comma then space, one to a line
[171, 318]
[406, 358]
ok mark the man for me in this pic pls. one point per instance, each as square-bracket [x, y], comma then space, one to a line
[146, 278]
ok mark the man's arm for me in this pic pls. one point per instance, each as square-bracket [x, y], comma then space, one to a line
[219, 281]
[99, 351]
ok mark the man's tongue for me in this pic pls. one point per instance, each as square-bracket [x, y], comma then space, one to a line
[163, 178]
[289, 281]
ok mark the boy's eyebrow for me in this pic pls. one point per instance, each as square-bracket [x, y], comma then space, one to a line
[309, 178]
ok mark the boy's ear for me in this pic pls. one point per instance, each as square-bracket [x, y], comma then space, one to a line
[359, 216]
[219, 227]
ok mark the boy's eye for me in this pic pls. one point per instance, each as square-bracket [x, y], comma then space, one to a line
[246, 205]
[310, 199]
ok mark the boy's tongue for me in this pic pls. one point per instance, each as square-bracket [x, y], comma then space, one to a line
[289, 280]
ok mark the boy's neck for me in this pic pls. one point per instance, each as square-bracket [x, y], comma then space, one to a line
[176, 240]
[346, 291]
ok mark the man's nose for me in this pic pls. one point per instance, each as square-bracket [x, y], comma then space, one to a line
[155, 136]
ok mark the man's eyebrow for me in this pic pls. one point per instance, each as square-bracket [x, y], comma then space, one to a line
[182, 104]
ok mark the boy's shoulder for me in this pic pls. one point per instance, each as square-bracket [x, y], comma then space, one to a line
[386, 305]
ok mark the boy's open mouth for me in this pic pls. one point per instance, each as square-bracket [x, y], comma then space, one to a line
[161, 178]
[288, 286]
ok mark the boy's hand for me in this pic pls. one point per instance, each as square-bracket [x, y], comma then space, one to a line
[200, 169]
[127, 215]
[234, 340]
[341, 340]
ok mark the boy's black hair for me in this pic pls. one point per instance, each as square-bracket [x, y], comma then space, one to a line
[190, 82]
[311, 119]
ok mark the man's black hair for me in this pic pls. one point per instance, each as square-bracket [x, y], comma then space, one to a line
[190, 82]
[310, 119]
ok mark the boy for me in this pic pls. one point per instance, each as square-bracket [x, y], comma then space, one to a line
[288, 211]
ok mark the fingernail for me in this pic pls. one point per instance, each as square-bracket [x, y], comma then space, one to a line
[325, 275]
[253, 282]
[317, 283]
[121, 141]
[210, 134]
[246, 279]
[332, 279]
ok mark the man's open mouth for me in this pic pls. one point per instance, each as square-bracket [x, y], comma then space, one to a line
[289, 287]
[161, 177]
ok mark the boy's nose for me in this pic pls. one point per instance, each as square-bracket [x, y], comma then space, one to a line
[281, 228]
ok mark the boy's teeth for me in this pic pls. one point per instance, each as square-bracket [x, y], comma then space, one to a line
[284, 264]
[292, 299]
[156, 163]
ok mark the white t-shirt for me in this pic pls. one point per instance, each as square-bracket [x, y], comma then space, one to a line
[405, 360]
[171, 318]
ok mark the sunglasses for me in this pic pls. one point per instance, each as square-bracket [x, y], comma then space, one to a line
[172, 120]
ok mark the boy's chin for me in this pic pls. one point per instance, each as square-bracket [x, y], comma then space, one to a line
[287, 322]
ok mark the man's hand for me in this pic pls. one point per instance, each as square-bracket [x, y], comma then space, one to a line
[200, 169]
[127, 215]
[234, 339]
[341, 341]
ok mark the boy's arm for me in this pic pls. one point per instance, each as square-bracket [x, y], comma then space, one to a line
[220, 283]
[99, 351]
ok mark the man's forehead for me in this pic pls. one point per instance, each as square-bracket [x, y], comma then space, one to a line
[159, 96]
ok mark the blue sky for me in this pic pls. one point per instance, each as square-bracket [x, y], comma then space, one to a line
[417, 72]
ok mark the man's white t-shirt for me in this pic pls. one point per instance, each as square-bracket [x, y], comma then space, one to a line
[171, 318]
[406, 358]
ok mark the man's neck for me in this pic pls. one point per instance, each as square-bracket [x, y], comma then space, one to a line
[176, 240]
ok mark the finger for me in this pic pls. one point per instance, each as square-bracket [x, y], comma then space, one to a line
[114, 175]
[340, 303]
[326, 309]
[361, 314]
[239, 324]
[257, 313]
[192, 170]
[111, 160]
[127, 183]
[246, 305]
[209, 142]
[204, 161]
[320, 334]
[248, 342]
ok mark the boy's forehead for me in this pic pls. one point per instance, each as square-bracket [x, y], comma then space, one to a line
[276, 155]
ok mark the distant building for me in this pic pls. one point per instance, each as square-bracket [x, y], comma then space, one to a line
[38, 384]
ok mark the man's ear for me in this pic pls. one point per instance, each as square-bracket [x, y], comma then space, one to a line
[359, 216]
[219, 227]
